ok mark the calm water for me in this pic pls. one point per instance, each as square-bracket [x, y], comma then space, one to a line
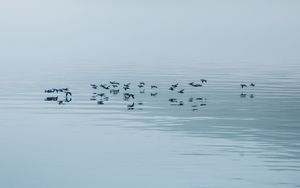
[231, 141]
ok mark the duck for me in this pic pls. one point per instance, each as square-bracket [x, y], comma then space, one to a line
[252, 84]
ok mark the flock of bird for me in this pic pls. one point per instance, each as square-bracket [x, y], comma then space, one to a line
[114, 88]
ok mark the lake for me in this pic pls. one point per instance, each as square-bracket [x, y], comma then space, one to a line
[221, 139]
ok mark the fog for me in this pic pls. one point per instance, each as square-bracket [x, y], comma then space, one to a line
[149, 31]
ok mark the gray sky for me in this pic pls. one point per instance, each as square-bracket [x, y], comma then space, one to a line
[119, 31]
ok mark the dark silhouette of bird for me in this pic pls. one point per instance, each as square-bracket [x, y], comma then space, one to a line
[191, 99]
[60, 102]
[191, 83]
[114, 83]
[173, 100]
[130, 106]
[153, 86]
[100, 102]
[243, 85]
[128, 95]
[68, 93]
[51, 98]
[203, 80]
[197, 85]
[125, 87]
[252, 96]
[153, 94]
[181, 91]
[171, 88]
[114, 91]
[243, 95]
[180, 103]
[142, 83]
[199, 98]
[252, 84]
[175, 85]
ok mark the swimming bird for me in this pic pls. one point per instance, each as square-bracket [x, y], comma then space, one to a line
[153, 86]
[142, 83]
[180, 103]
[51, 98]
[153, 94]
[181, 91]
[125, 87]
[199, 98]
[171, 88]
[191, 83]
[197, 85]
[252, 96]
[173, 100]
[128, 95]
[243, 95]
[114, 83]
[203, 80]
[191, 99]
[243, 85]
[100, 102]
[175, 85]
[49, 91]
[130, 106]
[68, 93]
[94, 86]
[252, 84]
[114, 91]
[101, 94]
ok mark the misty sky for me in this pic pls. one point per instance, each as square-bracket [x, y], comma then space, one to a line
[137, 30]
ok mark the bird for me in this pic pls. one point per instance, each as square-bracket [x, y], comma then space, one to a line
[100, 102]
[128, 95]
[175, 85]
[130, 106]
[203, 80]
[127, 85]
[51, 98]
[252, 84]
[197, 85]
[153, 94]
[94, 86]
[171, 88]
[243, 85]
[153, 86]
[114, 83]
[142, 83]
[68, 93]
[191, 83]
[243, 95]
[173, 100]
[180, 103]
[101, 94]
[181, 91]
[191, 99]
